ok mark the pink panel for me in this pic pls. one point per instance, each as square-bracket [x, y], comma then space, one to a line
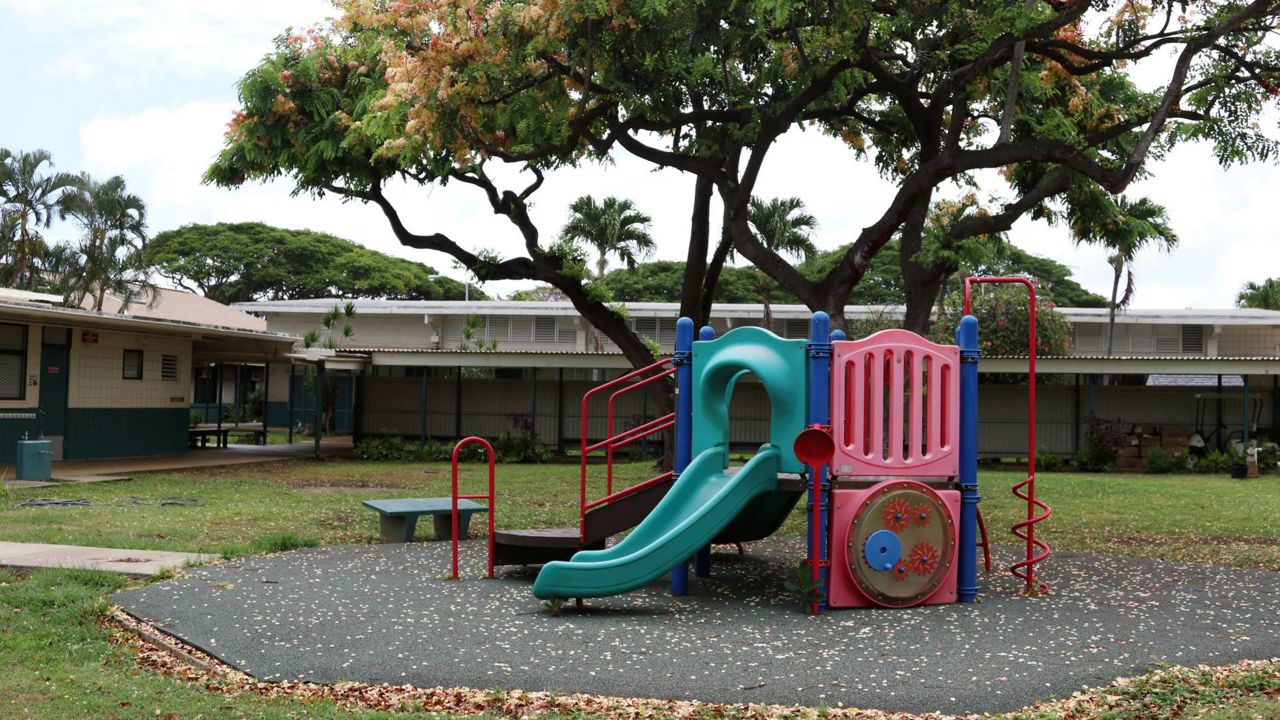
[844, 591]
[919, 381]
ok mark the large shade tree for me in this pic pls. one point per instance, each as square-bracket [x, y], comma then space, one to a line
[932, 94]
[240, 262]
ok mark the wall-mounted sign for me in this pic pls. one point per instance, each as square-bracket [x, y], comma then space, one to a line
[53, 370]
[88, 336]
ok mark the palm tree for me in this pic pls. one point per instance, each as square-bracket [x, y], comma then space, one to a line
[1264, 295]
[34, 199]
[1125, 228]
[612, 227]
[782, 225]
[114, 243]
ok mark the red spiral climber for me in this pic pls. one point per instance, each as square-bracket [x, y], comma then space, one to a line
[1037, 510]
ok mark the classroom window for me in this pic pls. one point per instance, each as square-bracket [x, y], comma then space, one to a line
[132, 365]
[13, 361]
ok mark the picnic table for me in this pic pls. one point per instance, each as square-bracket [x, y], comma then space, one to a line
[201, 435]
[399, 516]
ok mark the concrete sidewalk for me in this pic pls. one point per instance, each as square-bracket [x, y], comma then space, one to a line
[136, 563]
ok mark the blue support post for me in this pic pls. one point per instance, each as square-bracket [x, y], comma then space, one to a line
[820, 414]
[683, 361]
[702, 560]
[967, 564]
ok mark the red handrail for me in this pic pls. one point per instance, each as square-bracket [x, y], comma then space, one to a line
[456, 497]
[629, 382]
[1037, 510]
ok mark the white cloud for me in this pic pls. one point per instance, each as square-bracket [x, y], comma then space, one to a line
[119, 40]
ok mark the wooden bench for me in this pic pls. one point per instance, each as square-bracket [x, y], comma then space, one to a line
[202, 435]
[259, 435]
[399, 517]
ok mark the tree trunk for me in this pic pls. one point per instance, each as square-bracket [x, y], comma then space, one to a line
[1111, 306]
[920, 282]
[695, 266]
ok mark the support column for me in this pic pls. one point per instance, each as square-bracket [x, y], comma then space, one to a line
[682, 359]
[218, 411]
[967, 563]
[819, 402]
[457, 406]
[292, 381]
[533, 401]
[1244, 411]
[560, 410]
[235, 393]
[422, 432]
[1075, 416]
[266, 399]
[1218, 426]
[319, 409]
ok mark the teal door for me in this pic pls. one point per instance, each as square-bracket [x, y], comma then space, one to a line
[55, 363]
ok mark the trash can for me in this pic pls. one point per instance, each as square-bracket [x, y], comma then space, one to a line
[34, 460]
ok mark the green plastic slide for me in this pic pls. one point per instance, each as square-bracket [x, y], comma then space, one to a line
[701, 503]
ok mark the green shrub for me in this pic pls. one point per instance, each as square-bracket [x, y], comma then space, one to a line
[393, 448]
[1215, 462]
[1100, 446]
[1048, 461]
[283, 541]
[514, 447]
[1160, 462]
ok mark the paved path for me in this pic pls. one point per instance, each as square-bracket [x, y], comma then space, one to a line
[138, 563]
[382, 613]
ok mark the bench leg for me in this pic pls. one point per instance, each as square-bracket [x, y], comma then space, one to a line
[397, 529]
[444, 529]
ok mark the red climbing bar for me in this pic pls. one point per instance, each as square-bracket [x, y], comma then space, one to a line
[1037, 510]
[453, 509]
[630, 382]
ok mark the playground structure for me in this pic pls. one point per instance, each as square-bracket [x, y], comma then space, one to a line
[880, 432]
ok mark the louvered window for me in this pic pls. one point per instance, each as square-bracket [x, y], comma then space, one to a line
[544, 330]
[566, 333]
[497, 328]
[13, 361]
[795, 329]
[169, 367]
[1141, 339]
[1088, 339]
[1168, 339]
[521, 329]
[647, 327]
[1193, 339]
[453, 329]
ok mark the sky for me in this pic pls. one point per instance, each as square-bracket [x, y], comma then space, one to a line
[144, 89]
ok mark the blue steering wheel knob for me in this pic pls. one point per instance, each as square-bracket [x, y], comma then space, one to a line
[883, 550]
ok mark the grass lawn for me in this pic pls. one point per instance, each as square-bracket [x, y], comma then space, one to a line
[58, 661]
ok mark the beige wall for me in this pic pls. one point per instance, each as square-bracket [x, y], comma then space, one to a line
[96, 370]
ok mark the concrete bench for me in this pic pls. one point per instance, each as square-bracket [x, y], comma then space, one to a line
[202, 435]
[399, 517]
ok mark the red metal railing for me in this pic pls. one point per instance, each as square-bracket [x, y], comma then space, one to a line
[630, 382]
[1037, 510]
[456, 497]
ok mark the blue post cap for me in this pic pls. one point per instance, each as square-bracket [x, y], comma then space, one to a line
[837, 335]
[707, 333]
[819, 327]
[967, 334]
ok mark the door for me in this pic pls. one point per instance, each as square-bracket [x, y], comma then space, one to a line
[55, 364]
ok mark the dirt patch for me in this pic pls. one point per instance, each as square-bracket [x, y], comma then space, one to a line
[343, 489]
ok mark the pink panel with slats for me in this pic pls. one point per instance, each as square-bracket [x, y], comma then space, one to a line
[895, 406]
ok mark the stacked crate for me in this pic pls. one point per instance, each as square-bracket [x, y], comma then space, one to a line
[1170, 438]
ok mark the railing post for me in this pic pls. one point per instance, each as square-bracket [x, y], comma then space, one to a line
[967, 564]
[819, 351]
[683, 361]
